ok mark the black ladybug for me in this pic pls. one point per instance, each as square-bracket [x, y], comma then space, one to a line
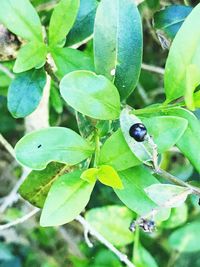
[138, 131]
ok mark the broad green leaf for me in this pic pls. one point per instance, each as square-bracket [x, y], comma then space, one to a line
[167, 195]
[142, 150]
[66, 199]
[20, 17]
[62, 20]
[118, 43]
[25, 92]
[84, 24]
[183, 52]
[192, 81]
[108, 176]
[113, 223]
[133, 195]
[177, 217]
[37, 184]
[68, 60]
[165, 131]
[90, 175]
[115, 152]
[31, 55]
[91, 94]
[189, 142]
[186, 238]
[170, 19]
[142, 257]
[37, 149]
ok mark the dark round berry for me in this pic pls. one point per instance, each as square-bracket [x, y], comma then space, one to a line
[138, 131]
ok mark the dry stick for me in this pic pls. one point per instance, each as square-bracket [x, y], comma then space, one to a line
[20, 220]
[7, 71]
[7, 145]
[152, 68]
[104, 241]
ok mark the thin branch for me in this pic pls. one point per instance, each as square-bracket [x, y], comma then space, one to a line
[7, 71]
[19, 220]
[13, 195]
[152, 68]
[50, 71]
[104, 241]
[7, 146]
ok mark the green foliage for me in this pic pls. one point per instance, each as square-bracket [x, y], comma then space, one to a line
[68, 189]
[84, 23]
[62, 20]
[170, 19]
[25, 92]
[52, 144]
[118, 43]
[31, 55]
[91, 94]
[182, 58]
[113, 223]
[37, 184]
[21, 18]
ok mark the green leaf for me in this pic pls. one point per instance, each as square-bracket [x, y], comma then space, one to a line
[118, 43]
[142, 150]
[170, 19]
[142, 257]
[167, 195]
[113, 223]
[62, 20]
[108, 176]
[66, 199]
[37, 184]
[84, 24]
[25, 92]
[177, 217]
[91, 94]
[21, 18]
[115, 152]
[189, 142]
[183, 52]
[37, 149]
[166, 131]
[55, 99]
[68, 59]
[186, 238]
[31, 55]
[133, 195]
[90, 175]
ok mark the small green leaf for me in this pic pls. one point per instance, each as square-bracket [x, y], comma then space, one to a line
[84, 24]
[142, 257]
[177, 217]
[142, 150]
[90, 175]
[55, 99]
[37, 149]
[62, 20]
[37, 184]
[31, 55]
[116, 152]
[133, 195]
[166, 131]
[183, 52]
[167, 195]
[186, 238]
[170, 19]
[108, 176]
[25, 92]
[113, 223]
[91, 94]
[21, 18]
[68, 60]
[118, 43]
[66, 199]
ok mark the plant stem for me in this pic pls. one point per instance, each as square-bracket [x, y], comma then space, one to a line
[51, 73]
[97, 150]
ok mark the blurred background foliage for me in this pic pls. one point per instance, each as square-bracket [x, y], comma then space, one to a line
[176, 241]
